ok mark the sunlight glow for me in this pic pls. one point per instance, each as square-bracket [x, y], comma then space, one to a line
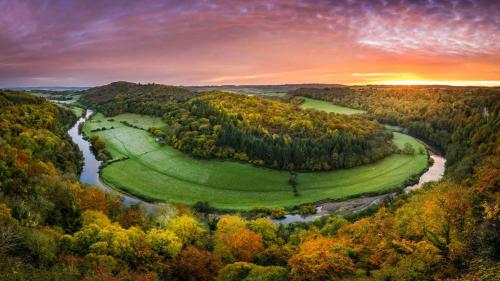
[450, 83]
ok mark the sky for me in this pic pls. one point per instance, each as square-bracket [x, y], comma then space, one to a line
[88, 43]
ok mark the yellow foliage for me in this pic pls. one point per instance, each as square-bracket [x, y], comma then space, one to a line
[165, 242]
[230, 223]
[186, 228]
[320, 259]
[95, 217]
[265, 227]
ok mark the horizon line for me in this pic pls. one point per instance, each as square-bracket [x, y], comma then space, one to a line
[482, 84]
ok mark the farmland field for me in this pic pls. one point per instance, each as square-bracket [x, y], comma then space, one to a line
[328, 107]
[162, 173]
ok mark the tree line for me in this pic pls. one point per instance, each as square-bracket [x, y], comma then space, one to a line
[121, 97]
[459, 121]
[274, 134]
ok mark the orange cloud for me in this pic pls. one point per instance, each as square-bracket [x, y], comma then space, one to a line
[249, 42]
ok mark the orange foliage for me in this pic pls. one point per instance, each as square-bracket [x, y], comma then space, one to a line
[370, 236]
[93, 199]
[239, 245]
[195, 264]
[132, 216]
[320, 259]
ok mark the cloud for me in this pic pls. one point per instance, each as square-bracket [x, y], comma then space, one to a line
[193, 42]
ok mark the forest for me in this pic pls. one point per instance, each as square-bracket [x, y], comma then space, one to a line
[461, 122]
[53, 228]
[121, 97]
[274, 134]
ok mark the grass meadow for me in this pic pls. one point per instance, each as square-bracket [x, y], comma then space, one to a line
[162, 173]
[328, 107]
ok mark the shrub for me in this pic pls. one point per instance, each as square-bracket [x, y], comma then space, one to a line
[235, 272]
[307, 209]
[278, 213]
[41, 247]
[267, 273]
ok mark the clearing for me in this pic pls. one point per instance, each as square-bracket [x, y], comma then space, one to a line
[328, 107]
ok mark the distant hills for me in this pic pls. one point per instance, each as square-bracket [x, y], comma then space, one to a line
[248, 89]
[261, 89]
[49, 88]
[119, 97]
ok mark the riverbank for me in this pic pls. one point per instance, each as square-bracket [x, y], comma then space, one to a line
[90, 175]
[161, 173]
[352, 206]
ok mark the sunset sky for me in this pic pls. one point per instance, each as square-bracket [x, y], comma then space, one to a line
[87, 43]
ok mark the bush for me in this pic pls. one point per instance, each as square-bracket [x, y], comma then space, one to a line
[307, 209]
[408, 149]
[242, 271]
[235, 272]
[41, 247]
[267, 273]
[259, 212]
[202, 207]
[278, 213]
[333, 223]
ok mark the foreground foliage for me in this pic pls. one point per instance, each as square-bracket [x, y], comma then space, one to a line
[54, 229]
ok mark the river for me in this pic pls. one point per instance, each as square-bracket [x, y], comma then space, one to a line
[91, 166]
[434, 173]
[90, 176]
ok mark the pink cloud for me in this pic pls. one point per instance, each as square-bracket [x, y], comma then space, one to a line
[192, 42]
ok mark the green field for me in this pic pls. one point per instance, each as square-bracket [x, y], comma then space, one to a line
[162, 173]
[74, 98]
[328, 107]
[78, 111]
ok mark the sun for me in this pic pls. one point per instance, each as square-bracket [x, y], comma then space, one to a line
[439, 82]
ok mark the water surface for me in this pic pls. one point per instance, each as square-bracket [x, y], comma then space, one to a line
[91, 166]
[90, 171]
[90, 175]
[434, 173]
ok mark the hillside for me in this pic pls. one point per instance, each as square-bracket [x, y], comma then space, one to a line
[459, 121]
[121, 97]
[54, 229]
[274, 134]
[259, 89]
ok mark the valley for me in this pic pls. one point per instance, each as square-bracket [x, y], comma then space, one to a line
[271, 140]
[160, 173]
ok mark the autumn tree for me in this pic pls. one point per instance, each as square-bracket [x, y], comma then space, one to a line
[187, 229]
[251, 272]
[320, 259]
[133, 215]
[10, 231]
[266, 228]
[92, 198]
[194, 264]
[165, 242]
[235, 242]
